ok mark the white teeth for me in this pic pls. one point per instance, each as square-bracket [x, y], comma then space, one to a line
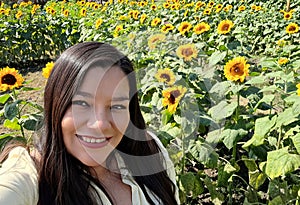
[93, 140]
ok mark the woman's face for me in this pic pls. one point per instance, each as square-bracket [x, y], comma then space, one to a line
[94, 124]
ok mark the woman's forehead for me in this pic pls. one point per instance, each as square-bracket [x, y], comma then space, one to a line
[112, 81]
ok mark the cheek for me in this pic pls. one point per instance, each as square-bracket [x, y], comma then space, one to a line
[67, 126]
[121, 121]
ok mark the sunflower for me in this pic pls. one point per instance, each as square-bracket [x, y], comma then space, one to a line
[236, 69]
[282, 61]
[207, 11]
[281, 42]
[66, 13]
[226, 9]
[143, 18]
[201, 28]
[98, 23]
[123, 18]
[167, 27]
[165, 76]
[242, 8]
[153, 7]
[225, 26]
[166, 5]
[47, 69]
[135, 15]
[199, 4]
[117, 30]
[155, 22]
[258, 8]
[184, 27]
[83, 12]
[172, 96]
[2, 10]
[187, 52]
[292, 28]
[210, 4]
[10, 79]
[97, 6]
[298, 89]
[19, 14]
[155, 39]
[219, 8]
[287, 15]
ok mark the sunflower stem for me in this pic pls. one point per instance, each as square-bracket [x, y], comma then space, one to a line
[237, 111]
[15, 96]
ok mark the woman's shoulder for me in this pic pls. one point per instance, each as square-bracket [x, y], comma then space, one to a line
[18, 178]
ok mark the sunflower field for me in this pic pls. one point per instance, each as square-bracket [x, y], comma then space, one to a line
[219, 83]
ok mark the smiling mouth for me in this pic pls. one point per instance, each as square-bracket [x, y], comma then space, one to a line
[92, 140]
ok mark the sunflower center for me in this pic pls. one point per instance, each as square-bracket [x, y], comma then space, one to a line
[8, 79]
[184, 27]
[187, 52]
[173, 95]
[225, 27]
[200, 28]
[237, 69]
[165, 76]
[292, 28]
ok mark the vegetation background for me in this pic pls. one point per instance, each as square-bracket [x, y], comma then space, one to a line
[218, 80]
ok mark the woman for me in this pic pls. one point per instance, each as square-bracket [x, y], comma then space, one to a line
[96, 148]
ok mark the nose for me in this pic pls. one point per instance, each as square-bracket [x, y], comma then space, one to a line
[99, 121]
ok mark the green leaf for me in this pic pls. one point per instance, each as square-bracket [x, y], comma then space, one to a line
[222, 110]
[4, 98]
[277, 200]
[262, 127]
[230, 136]
[296, 107]
[187, 182]
[286, 117]
[216, 57]
[269, 63]
[256, 80]
[166, 116]
[11, 110]
[34, 122]
[217, 197]
[204, 153]
[268, 99]
[256, 177]
[281, 162]
[12, 124]
[191, 184]
[296, 142]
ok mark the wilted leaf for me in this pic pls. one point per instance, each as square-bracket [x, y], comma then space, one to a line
[281, 162]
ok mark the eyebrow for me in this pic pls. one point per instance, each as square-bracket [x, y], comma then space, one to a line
[86, 94]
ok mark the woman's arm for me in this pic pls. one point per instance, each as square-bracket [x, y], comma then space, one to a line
[18, 179]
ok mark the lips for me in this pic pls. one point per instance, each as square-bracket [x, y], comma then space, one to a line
[93, 142]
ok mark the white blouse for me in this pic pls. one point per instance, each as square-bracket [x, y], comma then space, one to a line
[19, 184]
[18, 179]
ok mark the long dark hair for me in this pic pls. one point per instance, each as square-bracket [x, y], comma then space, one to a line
[65, 180]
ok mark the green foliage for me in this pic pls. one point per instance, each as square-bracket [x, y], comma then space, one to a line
[232, 142]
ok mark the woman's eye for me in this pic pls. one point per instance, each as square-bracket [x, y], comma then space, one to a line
[118, 107]
[80, 103]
